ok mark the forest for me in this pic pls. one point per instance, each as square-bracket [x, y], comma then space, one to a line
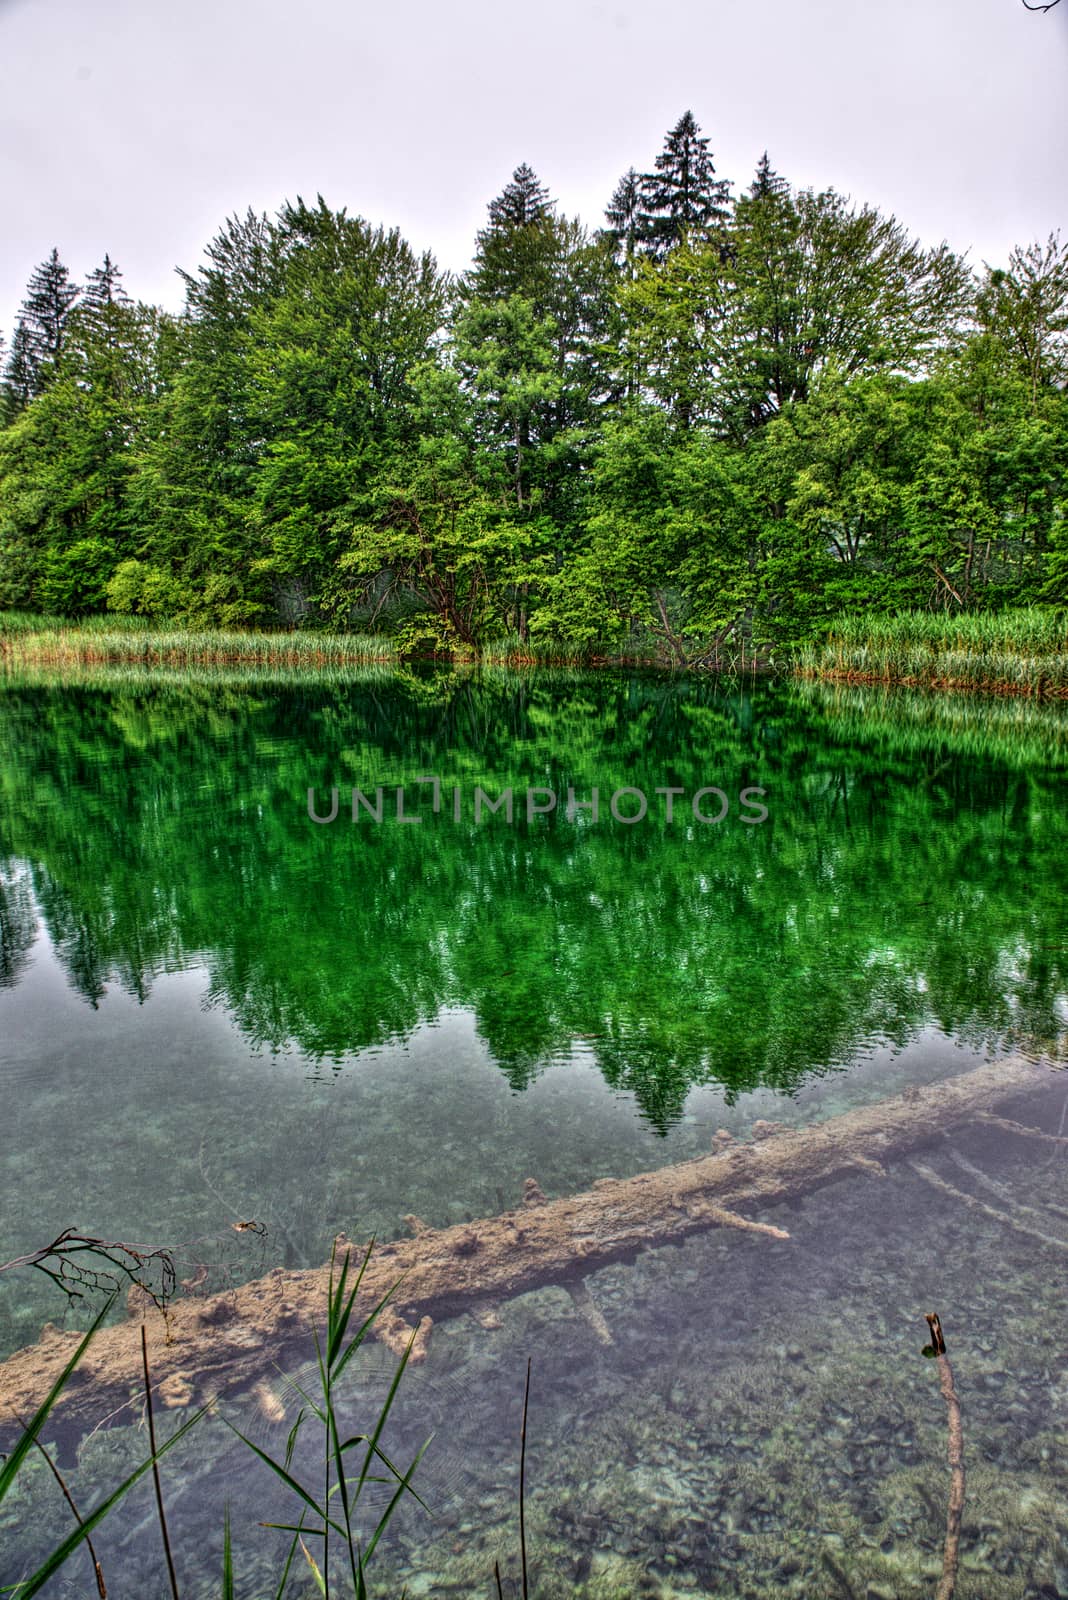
[728, 413]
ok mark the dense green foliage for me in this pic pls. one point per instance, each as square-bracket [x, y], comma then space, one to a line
[712, 420]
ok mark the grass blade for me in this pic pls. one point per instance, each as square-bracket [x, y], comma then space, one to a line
[41, 1415]
[522, 1484]
[286, 1477]
[101, 1586]
[155, 1466]
[228, 1559]
[316, 1573]
[32, 1586]
[280, 1591]
[404, 1483]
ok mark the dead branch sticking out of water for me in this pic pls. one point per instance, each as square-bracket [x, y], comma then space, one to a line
[79, 1264]
[230, 1339]
[951, 1553]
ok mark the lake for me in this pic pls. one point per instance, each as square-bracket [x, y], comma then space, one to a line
[790, 903]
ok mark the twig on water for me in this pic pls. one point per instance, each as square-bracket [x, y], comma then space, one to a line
[951, 1554]
[522, 1485]
[101, 1587]
[155, 1466]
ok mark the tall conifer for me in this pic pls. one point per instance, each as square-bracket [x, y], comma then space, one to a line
[104, 287]
[682, 194]
[516, 252]
[623, 213]
[38, 339]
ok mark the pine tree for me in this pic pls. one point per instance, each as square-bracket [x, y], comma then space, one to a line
[38, 340]
[683, 194]
[767, 181]
[523, 201]
[516, 252]
[623, 213]
[104, 287]
[20, 374]
[49, 298]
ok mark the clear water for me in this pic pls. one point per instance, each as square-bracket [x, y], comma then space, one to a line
[215, 1009]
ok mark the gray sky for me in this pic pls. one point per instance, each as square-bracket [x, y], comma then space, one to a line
[135, 127]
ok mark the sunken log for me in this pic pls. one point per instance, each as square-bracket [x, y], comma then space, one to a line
[204, 1346]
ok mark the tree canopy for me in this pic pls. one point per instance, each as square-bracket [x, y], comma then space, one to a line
[712, 419]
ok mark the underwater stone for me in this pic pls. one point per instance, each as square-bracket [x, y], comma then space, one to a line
[762, 1129]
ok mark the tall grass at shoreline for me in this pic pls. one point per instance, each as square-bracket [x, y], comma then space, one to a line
[1022, 651]
[123, 643]
[26, 640]
[1017, 731]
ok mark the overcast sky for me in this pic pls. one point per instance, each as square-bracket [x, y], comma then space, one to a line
[135, 127]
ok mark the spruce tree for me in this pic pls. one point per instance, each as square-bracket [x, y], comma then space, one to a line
[623, 213]
[50, 295]
[767, 181]
[20, 374]
[38, 341]
[104, 287]
[517, 250]
[523, 201]
[683, 195]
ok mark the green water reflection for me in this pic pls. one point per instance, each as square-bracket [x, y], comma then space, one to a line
[909, 873]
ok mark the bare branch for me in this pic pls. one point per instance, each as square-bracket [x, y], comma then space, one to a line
[69, 1261]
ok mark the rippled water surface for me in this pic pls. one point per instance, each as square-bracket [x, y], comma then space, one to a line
[214, 1009]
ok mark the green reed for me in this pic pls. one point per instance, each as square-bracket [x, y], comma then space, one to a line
[30, 1437]
[98, 641]
[333, 1353]
[1023, 650]
[329, 1512]
[28, 639]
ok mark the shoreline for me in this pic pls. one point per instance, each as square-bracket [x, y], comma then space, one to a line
[169, 653]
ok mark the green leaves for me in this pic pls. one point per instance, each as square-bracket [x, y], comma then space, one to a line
[335, 433]
[335, 1351]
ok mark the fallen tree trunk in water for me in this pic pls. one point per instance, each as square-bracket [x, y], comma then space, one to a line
[205, 1346]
